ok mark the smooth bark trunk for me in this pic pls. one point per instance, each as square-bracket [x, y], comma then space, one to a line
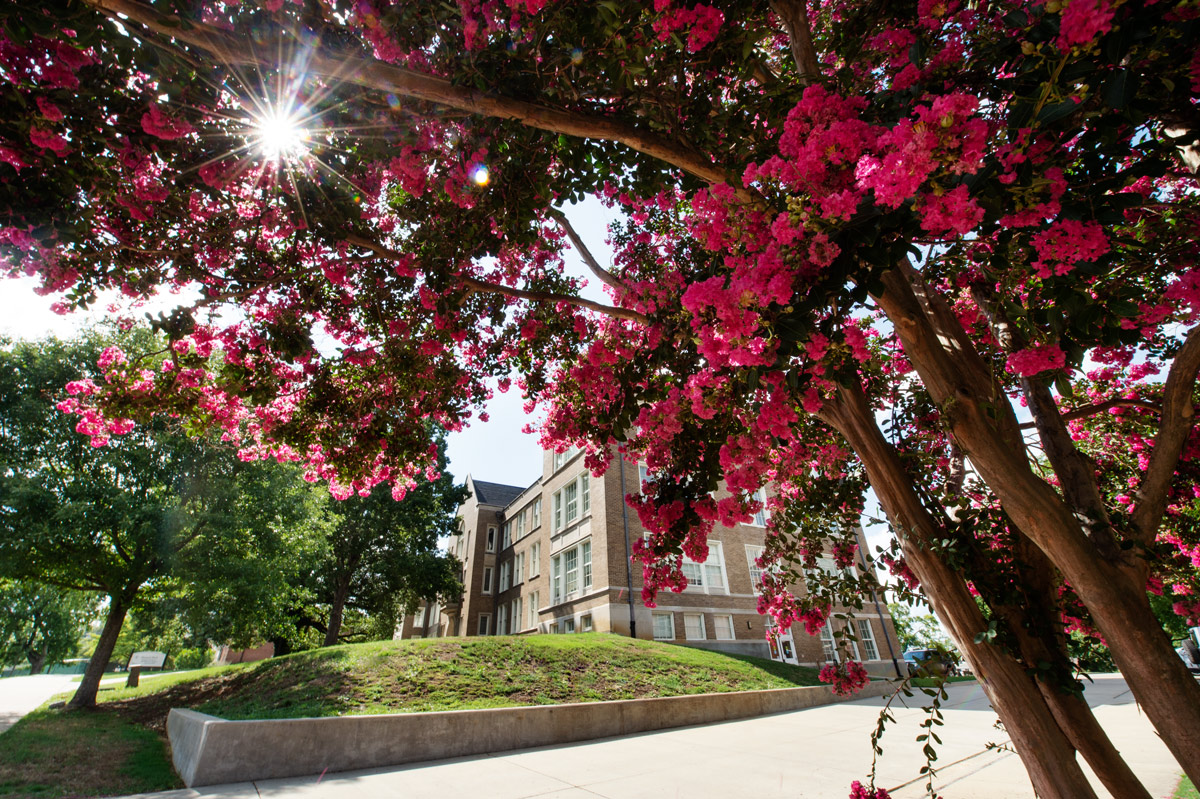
[980, 418]
[1042, 746]
[85, 695]
[37, 660]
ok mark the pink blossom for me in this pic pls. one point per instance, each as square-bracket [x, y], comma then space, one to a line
[157, 123]
[1082, 21]
[49, 140]
[1035, 360]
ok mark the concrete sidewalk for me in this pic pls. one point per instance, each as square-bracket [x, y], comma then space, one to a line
[19, 695]
[806, 754]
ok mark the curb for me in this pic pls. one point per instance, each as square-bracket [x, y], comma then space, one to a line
[208, 750]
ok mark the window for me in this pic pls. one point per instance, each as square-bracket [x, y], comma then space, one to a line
[505, 576]
[520, 525]
[566, 626]
[753, 553]
[664, 626]
[518, 568]
[585, 624]
[643, 476]
[533, 609]
[561, 458]
[723, 628]
[491, 538]
[760, 517]
[866, 635]
[572, 502]
[709, 576]
[571, 571]
[516, 615]
[485, 621]
[535, 559]
[537, 514]
[828, 650]
[507, 542]
[487, 579]
[693, 626]
[502, 620]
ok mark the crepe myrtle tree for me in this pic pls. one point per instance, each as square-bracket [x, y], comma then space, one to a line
[974, 220]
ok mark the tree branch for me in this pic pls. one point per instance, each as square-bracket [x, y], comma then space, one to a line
[606, 277]
[1084, 411]
[1178, 416]
[484, 287]
[349, 67]
[794, 14]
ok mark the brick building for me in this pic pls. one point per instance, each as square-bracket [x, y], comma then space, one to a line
[555, 558]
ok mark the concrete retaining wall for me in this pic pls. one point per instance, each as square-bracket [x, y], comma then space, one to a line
[208, 750]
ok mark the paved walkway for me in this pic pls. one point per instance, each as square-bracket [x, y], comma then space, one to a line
[806, 754]
[19, 695]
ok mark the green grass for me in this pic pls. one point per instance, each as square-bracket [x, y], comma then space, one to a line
[54, 753]
[1185, 790]
[456, 674]
[120, 747]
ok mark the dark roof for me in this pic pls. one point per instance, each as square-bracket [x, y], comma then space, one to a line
[495, 493]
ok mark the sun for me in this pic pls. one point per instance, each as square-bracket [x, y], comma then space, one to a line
[280, 136]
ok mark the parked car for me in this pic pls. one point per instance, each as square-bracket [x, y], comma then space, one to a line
[1189, 651]
[929, 663]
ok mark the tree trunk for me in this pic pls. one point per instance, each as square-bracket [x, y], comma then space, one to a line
[336, 608]
[85, 695]
[960, 383]
[1042, 746]
[36, 661]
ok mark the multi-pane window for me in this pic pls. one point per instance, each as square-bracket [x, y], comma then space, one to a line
[491, 539]
[519, 568]
[537, 514]
[566, 626]
[828, 649]
[760, 517]
[571, 571]
[866, 635]
[709, 576]
[520, 525]
[485, 621]
[585, 624]
[516, 615]
[487, 579]
[505, 576]
[693, 626]
[572, 502]
[664, 626]
[753, 553]
[533, 609]
[502, 620]
[561, 458]
[535, 559]
[723, 627]
[507, 539]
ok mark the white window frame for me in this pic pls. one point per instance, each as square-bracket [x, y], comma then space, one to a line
[502, 620]
[561, 589]
[506, 540]
[520, 525]
[516, 615]
[585, 623]
[760, 518]
[561, 458]
[828, 644]
[700, 575]
[573, 502]
[753, 553]
[654, 617]
[535, 559]
[487, 580]
[717, 619]
[519, 568]
[566, 625]
[692, 634]
[537, 514]
[866, 634]
[484, 625]
[533, 609]
[491, 538]
[505, 576]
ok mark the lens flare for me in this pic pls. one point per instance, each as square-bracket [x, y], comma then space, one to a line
[480, 175]
[280, 136]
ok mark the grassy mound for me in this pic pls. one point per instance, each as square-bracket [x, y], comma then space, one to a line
[120, 747]
[454, 674]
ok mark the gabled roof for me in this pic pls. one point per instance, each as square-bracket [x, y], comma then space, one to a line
[496, 494]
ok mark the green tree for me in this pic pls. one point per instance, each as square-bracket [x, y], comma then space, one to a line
[383, 555]
[916, 630]
[40, 623]
[134, 520]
